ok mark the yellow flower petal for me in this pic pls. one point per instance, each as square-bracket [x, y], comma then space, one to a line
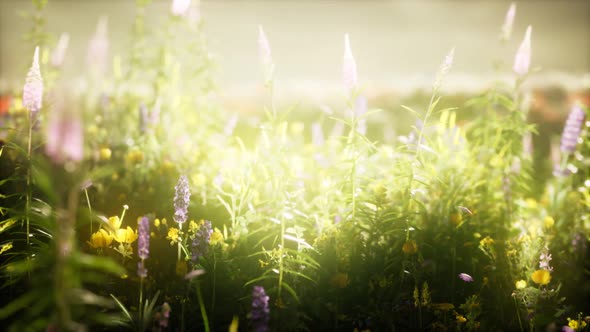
[541, 277]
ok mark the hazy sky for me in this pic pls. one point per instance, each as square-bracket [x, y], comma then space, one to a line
[393, 41]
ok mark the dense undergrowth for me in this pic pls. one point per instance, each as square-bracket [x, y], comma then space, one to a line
[135, 203]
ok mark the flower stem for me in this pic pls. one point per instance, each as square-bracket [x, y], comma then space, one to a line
[202, 306]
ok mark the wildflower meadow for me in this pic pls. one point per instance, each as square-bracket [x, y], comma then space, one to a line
[136, 201]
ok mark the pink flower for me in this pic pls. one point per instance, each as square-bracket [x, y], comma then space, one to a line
[522, 61]
[180, 7]
[65, 140]
[508, 22]
[349, 73]
[465, 277]
[59, 53]
[98, 48]
[263, 47]
[33, 89]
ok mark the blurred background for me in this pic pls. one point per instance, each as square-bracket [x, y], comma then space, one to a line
[398, 45]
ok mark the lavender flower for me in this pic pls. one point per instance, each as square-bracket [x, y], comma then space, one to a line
[181, 200]
[264, 47]
[180, 7]
[65, 138]
[201, 241]
[349, 73]
[265, 55]
[508, 22]
[465, 277]
[33, 89]
[143, 239]
[141, 269]
[260, 310]
[444, 68]
[522, 60]
[59, 53]
[98, 48]
[572, 129]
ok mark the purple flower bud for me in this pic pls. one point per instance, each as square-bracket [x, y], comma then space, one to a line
[349, 73]
[181, 200]
[65, 138]
[98, 48]
[465, 277]
[260, 310]
[59, 53]
[508, 22]
[143, 238]
[572, 129]
[264, 47]
[522, 61]
[33, 89]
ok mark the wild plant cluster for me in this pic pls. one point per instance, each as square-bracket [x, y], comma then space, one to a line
[135, 202]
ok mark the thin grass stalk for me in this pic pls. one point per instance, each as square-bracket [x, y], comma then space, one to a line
[202, 306]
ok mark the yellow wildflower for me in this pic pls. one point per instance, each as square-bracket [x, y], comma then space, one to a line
[520, 284]
[5, 247]
[486, 241]
[410, 247]
[549, 222]
[456, 218]
[164, 221]
[199, 179]
[575, 324]
[135, 157]
[193, 227]
[125, 235]
[172, 235]
[216, 237]
[461, 319]
[531, 203]
[541, 277]
[157, 222]
[115, 223]
[105, 154]
[100, 239]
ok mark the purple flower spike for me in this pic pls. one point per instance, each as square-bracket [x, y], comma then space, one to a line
[143, 238]
[141, 270]
[465, 277]
[349, 73]
[572, 129]
[522, 60]
[65, 137]
[260, 310]
[33, 89]
[181, 200]
[201, 241]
